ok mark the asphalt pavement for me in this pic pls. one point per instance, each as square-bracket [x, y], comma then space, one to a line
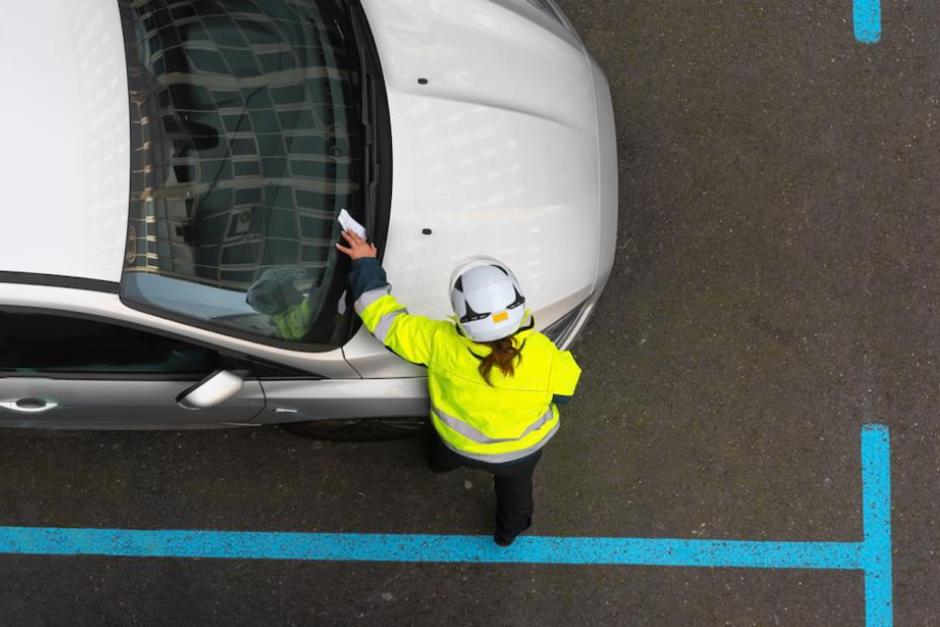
[775, 288]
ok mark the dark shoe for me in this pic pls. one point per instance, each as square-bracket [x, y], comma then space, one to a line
[503, 540]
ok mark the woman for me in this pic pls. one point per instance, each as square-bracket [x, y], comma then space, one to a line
[493, 380]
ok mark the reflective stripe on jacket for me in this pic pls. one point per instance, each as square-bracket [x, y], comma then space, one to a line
[294, 323]
[504, 422]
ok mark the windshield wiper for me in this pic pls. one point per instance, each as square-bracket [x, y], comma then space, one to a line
[370, 168]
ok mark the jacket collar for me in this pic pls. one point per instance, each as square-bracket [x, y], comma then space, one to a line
[526, 328]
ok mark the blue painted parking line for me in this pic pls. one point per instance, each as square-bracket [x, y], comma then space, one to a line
[872, 555]
[866, 18]
[876, 524]
[377, 547]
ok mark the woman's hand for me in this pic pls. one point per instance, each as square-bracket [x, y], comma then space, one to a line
[358, 247]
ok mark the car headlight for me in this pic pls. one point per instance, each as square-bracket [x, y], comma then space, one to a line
[548, 7]
[558, 331]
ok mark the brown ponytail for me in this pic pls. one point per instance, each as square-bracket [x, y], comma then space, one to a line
[503, 355]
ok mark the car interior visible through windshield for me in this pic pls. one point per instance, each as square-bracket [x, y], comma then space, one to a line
[247, 141]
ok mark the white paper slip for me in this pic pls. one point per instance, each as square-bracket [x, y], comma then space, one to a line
[350, 224]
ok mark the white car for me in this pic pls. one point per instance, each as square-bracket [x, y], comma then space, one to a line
[163, 160]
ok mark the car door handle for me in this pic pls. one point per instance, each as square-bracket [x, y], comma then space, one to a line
[28, 405]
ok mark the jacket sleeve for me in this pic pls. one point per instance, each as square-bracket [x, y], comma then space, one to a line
[366, 274]
[565, 374]
[408, 335]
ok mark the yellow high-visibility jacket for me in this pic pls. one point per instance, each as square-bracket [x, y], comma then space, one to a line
[501, 423]
[294, 323]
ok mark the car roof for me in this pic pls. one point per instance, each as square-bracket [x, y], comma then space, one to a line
[65, 127]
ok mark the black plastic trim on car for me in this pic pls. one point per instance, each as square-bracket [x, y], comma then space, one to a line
[559, 330]
[380, 218]
[263, 365]
[55, 280]
[271, 371]
[77, 375]
[382, 129]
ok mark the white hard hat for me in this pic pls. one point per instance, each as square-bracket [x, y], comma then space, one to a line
[487, 299]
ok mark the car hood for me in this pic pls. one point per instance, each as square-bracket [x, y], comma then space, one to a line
[494, 142]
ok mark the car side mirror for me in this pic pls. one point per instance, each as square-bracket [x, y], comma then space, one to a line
[215, 389]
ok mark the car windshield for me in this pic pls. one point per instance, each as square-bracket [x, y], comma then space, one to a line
[248, 139]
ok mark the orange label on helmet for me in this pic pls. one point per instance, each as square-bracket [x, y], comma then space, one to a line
[503, 315]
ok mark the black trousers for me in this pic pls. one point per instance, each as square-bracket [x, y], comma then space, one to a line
[513, 482]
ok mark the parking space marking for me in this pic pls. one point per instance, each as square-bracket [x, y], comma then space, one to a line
[876, 524]
[872, 555]
[866, 18]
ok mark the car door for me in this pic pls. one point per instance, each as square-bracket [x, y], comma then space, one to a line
[65, 371]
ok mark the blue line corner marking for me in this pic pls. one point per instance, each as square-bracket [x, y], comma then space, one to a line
[876, 524]
[866, 20]
[872, 555]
